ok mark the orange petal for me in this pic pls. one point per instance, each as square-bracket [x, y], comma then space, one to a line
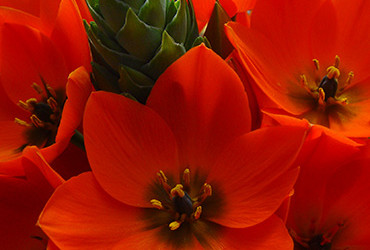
[29, 51]
[203, 10]
[321, 155]
[20, 208]
[12, 140]
[69, 224]
[229, 6]
[70, 37]
[270, 234]
[37, 169]
[30, 6]
[203, 101]
[127, 144]
[244, 5]
[254, 175]
[78, 91]
[84, 10]
[71, 162]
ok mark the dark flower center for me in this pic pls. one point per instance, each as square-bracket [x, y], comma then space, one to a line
[316, 243]
[181, 207]
[45, 116]
[327, 92]
[329, 86]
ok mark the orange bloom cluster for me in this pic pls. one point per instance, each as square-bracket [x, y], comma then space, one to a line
[266, 149]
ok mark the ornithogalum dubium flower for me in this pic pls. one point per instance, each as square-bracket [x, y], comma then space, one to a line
[309, 58]
[38, 52]
[182, 171]
[23, 195]
[330, 208]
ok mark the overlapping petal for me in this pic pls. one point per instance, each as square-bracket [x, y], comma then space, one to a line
[255, 174]
[82, 210]
[204, 113]
[139, 143]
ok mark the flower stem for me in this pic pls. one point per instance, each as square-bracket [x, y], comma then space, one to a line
[78, 140]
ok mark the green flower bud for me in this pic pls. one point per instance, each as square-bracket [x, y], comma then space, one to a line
[134, 41]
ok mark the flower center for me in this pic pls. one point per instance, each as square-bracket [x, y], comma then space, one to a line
[318, 241]
[45, 116]
[327, 92]
[182, 207]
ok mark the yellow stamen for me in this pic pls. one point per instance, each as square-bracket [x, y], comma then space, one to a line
[349, 78]
[207, 189]
[304, 81]
[163, 181]
[23, 123]
[156, 203]
[317, 65]
[37, 87]
[197, 212]
[53, 104]
[321, 96]
[174, 225]
[37, 122]
[337, 61]
[178, 191]
[333, 72]
[177, 223]
[186, 178]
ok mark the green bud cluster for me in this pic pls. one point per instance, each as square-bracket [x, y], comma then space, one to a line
[134, 41]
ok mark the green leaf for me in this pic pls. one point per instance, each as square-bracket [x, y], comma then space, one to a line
[135, 83]
[178, 26]
[153, 13]
[215, 31]
[192, 32]
[135, 4]
[113, 58]
[104, 80]
[114, 13]
[95, 13]
[138, 38]
[169, 52]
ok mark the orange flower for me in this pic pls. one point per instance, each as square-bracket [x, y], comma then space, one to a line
[41, 8]
[330, 206]
[203, 9]
[182, 171]
[23, 198]
[35, 60]
[308, 58]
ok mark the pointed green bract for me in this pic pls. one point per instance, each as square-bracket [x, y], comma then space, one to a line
[134, 41]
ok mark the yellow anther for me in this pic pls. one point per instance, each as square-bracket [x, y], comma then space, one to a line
[53, 104]
[304, 81]
[349, 78]
[178, 191]
[51, 91]
[37, 122]
[207, 189]
[321, 96]
[333, 72]
[156, 203]
[174, 225]
[162, 176]
[186, 178]
[37, 87]
[23, 123]
[198, 212]
[337, 61]
[316, 63]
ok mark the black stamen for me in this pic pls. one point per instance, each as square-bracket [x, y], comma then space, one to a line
[329, 86]
[183, 205]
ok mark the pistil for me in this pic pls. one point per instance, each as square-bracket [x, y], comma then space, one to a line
[182, 207]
